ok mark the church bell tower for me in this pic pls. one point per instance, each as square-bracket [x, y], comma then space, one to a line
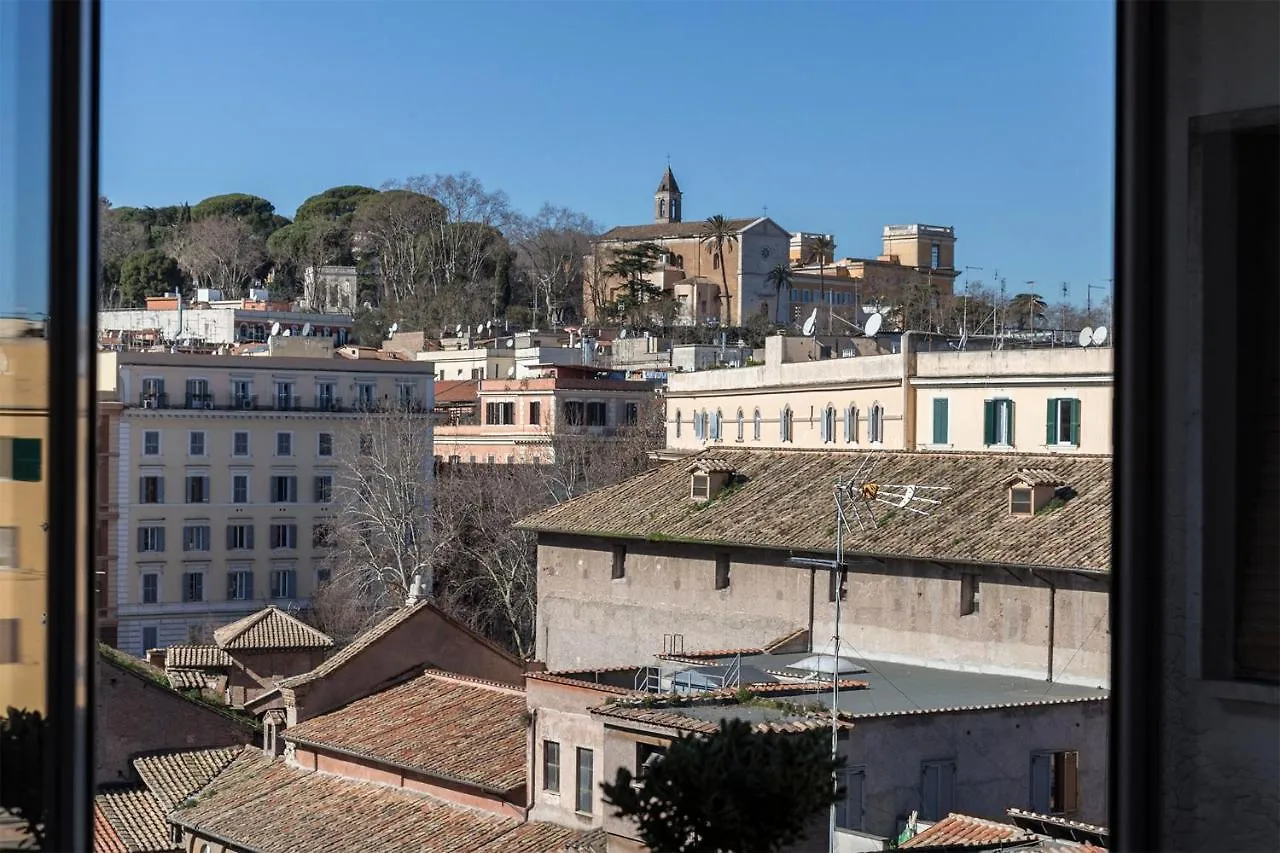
[666, 201]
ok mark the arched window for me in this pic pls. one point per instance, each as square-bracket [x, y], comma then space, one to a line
[716, 421]
[875, 424]
[850, 425]
[715, 261]
[662, 207]
[755, 426]
[829, 424]
[784, 424]
[742, 426]
[677, 423]
[697, 425]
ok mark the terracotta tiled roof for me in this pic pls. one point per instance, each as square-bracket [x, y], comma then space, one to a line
[668, 182]
[710, 465]
[457, 391]
[271, 807]
[957, 830]
[672, 718]
[578, 680]
[174, 776]
[137, 818]
[196, 657]
[660, 230]
[447, 727]
[105, 837]
[186, 679]
[1035, 477]
[270, 628]
[973, 524]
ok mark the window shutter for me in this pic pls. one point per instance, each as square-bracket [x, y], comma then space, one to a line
[940, 426]
[1012, 435]
[231, 536]
[248, 537]
[159, 538]
[159, 489]
[26, 460]
[823, 428]
[1051, 423]
[142, 538]
[782, 425]
[848, 424]
[1070, 766]
[1075, 422]
[989, 422]
[231, 586]
[697, 425]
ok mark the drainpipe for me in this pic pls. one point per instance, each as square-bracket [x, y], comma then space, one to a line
[908, 393]
[1053, 611]
[813, 580]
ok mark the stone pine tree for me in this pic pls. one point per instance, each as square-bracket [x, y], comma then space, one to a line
[736, 790]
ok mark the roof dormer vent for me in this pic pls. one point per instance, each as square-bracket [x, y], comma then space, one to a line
[707, 477]
[1032, 489]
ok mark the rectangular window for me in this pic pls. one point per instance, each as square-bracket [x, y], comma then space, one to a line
[284, 489]
[195, 537]
[1062, 422]
[239, 585]
[934, 255]
[838, 584]
[970, 592]
[151, 489]
[9, 641]
[324, 444]
[647, 755]
[150, 588]
[151, 442]
[366, 444]
[997, 423]
[849, 809]
[551, 766]
[151, 538]
[535, 413]
[1053, 782]
[20, 459]
[195, 443]
[8, 547]
[405, 396]
[941, 432]
[284, 444]
[150, 638]
[239, 443]
[1020, 501]
[239, 537]
[284, 536]
[240, 488]
[242, 396]
[284, 583]
[937, 789]
[365, 395]
[597, 414]
[722, 571]
[322, 576]
[500, 413]
[322, 535]
[326, 398]
[197, 488]
[198, 396]
[619, 562]
[631, 416]
[193, 586]
[575, 413]
[323, 488]
[586, 780]
[286, 400]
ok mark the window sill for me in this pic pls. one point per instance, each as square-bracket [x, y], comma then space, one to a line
[1242, 691]
[1002, 448]
[584, 815]
[938, 447]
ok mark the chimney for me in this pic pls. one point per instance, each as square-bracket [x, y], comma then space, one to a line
[416, 592]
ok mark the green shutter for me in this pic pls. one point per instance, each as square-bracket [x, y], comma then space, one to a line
[1051, 423]
[26, 460]
[1012, 434]
[1075, 422]
[989, 422]
[940, 420]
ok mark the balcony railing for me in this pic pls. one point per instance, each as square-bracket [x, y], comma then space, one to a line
[153, 400]
[252, 402]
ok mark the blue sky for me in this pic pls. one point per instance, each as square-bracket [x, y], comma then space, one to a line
[841, 117]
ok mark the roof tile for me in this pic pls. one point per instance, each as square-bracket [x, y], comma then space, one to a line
[270, 628]
[174, 776]
[368, 638]
[105, 837]
[460, 729]
[196, 657]
[958, 830]
[137, 818]
[667, 230]
[972, 525]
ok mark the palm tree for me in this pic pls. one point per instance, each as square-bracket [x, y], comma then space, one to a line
[823, 245]
[780, 278]
[717, 234]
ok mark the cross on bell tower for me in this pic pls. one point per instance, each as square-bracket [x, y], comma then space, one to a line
[666, 201]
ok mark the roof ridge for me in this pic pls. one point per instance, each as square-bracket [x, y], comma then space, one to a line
[497, 686]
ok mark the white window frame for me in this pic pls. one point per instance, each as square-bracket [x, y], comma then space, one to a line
[287, 434]
[320, 436]
[248, 444]
[159, 442]
[191, 442]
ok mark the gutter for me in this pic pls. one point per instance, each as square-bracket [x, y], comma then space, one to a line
[228, 843]
[447, 777]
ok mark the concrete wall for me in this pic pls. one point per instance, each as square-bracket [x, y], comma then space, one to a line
[992, 753]
[905, 612]
[1220, 737]
[135, 715]
[258, 670]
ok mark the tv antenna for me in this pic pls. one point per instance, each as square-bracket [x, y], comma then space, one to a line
[866, 496]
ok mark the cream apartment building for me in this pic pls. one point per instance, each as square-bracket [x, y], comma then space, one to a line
[908, 392]
[222, 474]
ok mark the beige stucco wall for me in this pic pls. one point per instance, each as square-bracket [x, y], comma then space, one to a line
[906, 612]
[560, 713]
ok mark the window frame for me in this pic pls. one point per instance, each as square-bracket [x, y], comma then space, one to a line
[248, 444]
[147, 434]
[154, 578]
[550, 781]
[724, 571]
[584, 793]
[287, 436]
[324, 444]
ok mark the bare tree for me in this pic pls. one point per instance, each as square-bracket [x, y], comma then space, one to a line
[585, 458]
[220, 251]
[396, 226]
[461, 243]
[381, 534]
[554, 245]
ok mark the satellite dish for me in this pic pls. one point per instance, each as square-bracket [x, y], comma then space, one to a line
[622, 334]
[458, 329]
[1099, 336]
[288, 332]
[873, 325]
[511, 342]
[479, 328]
[393, 328]
[275, 328]
[1086, 336]
[511, 372]
[811, 322]
[306, 329]
[488, 324]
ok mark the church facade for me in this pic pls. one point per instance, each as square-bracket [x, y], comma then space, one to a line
[707, 287]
